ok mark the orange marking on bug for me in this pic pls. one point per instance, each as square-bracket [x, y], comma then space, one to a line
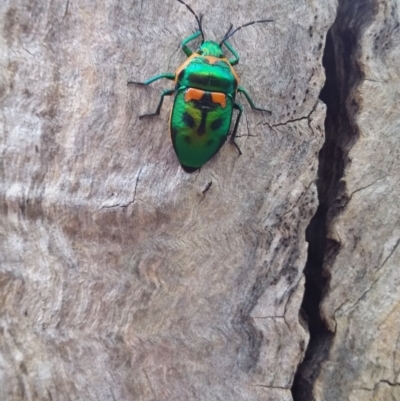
[212, 59]
[193, 94]
[219, 98]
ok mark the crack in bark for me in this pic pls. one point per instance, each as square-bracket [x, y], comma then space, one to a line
[384, 381]
[150, 385]
[363, 294]
[29, 53]
[204, 191]
[272, 387]
[365, 187]
[373, 283]
[277, 317]
[343, 77]
[388, 257]
[248, 130]
[373, 80]
[307, 117]
[66, 9]
[391, 384]
[337, 310]
[124, 205]
[286, 122]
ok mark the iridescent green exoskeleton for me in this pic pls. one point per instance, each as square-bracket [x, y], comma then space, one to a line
[205, 91]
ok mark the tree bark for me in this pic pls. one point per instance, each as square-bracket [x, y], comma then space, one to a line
[353, 354]
[122, 277]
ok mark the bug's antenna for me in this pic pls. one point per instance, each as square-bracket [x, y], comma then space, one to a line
[230, 33]
[198, 19]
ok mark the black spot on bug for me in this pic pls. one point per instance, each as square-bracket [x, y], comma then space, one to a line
[189, 169]
[202, 127]
[199, 79]
[206, 81]
[188, 120]
[216, 124]
[205, 103]
[181, 75]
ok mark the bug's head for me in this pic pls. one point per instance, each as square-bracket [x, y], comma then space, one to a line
[210, 48]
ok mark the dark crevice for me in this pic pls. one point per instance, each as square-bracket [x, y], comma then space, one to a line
[320, 336]
[343, 76]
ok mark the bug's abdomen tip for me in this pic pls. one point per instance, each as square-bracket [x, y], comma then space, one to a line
[189, 169]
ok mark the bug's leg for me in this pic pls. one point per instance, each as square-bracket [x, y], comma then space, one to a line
[167, 75]
[185, 47]
[235, 60]
[252, 105]
[167, 92]
[238, 107]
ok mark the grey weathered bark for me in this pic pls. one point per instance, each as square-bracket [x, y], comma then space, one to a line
[119, 278]
[354, 351]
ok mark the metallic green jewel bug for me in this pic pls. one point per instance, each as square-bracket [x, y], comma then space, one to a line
[205, 90]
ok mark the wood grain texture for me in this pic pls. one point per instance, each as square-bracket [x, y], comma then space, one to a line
[362, 304]
[119, 278]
